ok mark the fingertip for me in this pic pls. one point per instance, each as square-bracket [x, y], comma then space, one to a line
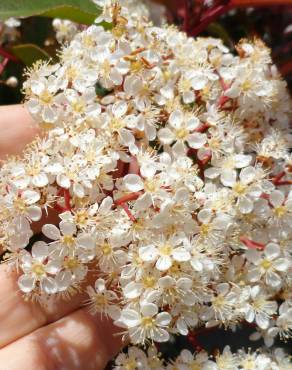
[17, 129]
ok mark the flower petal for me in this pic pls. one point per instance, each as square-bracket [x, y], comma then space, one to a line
[51, 232]
[26, 283]
[133, 182]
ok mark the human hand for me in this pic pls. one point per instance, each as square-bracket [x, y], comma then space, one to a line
[62, 334]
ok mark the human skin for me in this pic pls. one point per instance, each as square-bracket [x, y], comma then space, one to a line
[61, 335]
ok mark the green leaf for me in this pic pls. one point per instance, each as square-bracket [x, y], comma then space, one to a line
[101, 91]
[73, 14]
[81, 11]
[29, 53]
[217, 30]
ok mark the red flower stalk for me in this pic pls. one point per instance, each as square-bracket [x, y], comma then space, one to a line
[128, 197]
[128, 212]
[251, 243]
[9, 56]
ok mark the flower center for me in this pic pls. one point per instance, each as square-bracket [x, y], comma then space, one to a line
[81, 218]
[149, 282]
[239, 188]
[116, 124]
[248, 364]
[68, 240]
[106, 249]
[78, 106]
[204, 230]
[195, 366]
[71, 73]
[181, 134]
[71, 263]
[148, 322]
[219, 302]
[266, 264]
[46, 97]
[106, 67]
[137, 66]
[100, 300]
[130, 364]
[19, 204]
[88, 41]
[184, 85]
[166, 250]
[150, 186]
[280, 211]
[38, 269]
[33, 170]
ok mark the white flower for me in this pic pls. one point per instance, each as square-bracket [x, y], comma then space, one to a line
[109, 254]
[24, 203]
[269, 264]
[282, 207]
[146, 324]
[102, 300]
[284, 321]
[181, 129]
[43, 102]
[222, 304]
[134, 359]
[65, 29]
[37, 270]
[65, 239]
[82, 104]
[164, 252]
[226, 168]
[260, 308]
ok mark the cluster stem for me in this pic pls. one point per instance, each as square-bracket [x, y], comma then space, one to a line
[251, 243]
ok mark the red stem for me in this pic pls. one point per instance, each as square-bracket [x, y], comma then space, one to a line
[278, 177]
[186, 16]
[6, 54]
[128, 197]
[259, 3]
[212, 14]
[59, 208]
[204, 127]
[251, 243]
[205, 160]
[222, 100]
[209, 16]
[3, 65]
[285, 182]
[193, 339]
[67, 199]
[128, 212]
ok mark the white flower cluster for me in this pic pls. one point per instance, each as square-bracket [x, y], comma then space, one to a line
[168, 161]
[136, 359]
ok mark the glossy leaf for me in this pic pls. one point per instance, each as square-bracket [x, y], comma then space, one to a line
[29, 53]
[81, 11]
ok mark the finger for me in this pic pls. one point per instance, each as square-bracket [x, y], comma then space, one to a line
[78, 341]
[18, 317]
[17, 128]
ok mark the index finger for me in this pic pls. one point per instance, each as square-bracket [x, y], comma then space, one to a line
[17, 128]
[18, 317]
